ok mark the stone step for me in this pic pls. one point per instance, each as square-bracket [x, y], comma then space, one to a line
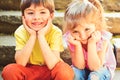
[10, 20]
[7, 45]
[7, 50]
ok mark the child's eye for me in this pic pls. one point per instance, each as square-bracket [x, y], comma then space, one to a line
[42, 12]
[87, 29]
[75, 31]
[30, 13]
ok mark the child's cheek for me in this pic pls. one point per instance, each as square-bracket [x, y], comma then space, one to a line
[46, 18]
[28, 23]
[76, 36]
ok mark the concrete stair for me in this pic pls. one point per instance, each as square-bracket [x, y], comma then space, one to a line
[7, 45]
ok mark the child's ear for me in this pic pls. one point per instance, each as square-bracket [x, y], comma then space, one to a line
[52, 15]
[23, 16]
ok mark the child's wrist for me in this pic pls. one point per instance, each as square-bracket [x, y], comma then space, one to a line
[78, 46]
[91, 42]
[33, 36]
[40, 36]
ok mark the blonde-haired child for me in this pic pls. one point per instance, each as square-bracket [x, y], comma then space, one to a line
[89, 41]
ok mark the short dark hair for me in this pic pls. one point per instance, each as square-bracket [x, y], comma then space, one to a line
[49, 4]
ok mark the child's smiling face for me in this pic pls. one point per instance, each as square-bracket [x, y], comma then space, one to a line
[36, 17]
[83, 31]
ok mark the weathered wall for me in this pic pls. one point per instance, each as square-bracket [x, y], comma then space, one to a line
[109, 5]
[15, 4]
[10, 4]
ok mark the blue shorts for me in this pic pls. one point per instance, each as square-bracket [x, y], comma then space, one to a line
[85, 74]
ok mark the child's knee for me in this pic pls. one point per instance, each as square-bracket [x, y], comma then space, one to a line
[93, 76]
[9, 69]
[79, 74]
[64, 71]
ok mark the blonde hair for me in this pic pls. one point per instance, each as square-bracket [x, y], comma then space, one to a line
[90, 10]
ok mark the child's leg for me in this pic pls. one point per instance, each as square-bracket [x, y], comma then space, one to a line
[101, 74]
[62, 71]
[12, 72]
[30, 72]
[79, 74]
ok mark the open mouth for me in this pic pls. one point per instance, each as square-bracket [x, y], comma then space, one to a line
[37, 24]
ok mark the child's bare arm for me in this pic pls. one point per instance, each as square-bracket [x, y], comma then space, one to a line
[22, 56]
[78, 58]
[95, 58]
[76, 55]
[50, 57]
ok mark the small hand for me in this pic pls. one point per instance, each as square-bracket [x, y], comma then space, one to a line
[95, 37]
[73, 40]
[45, 29]
[31, 32]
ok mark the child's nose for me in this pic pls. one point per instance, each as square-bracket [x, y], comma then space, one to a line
[82, 36]
[37, 17]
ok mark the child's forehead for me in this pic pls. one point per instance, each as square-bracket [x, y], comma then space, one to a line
[85, 25]
[37, 7]
[84, 21]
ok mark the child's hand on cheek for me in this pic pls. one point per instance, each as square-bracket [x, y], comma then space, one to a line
[31, 31]
[73, 40]
[95, 37]
[45, 29]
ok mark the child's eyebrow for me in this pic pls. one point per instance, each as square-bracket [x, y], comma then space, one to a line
[42, 9]
[29, 9]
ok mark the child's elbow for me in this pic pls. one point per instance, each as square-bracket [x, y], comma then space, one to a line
[94, 67]
[80, 66]
[19, 61]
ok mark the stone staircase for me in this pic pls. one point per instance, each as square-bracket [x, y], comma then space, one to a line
[10, 19]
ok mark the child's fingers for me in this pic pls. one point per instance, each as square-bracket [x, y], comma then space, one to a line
[47, 27]
[96, 35]
[24, 24]
[71, 39]
[23, 20]
[49, 22]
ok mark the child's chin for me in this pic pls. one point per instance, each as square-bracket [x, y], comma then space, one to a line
[84, 42]
[37, 29]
